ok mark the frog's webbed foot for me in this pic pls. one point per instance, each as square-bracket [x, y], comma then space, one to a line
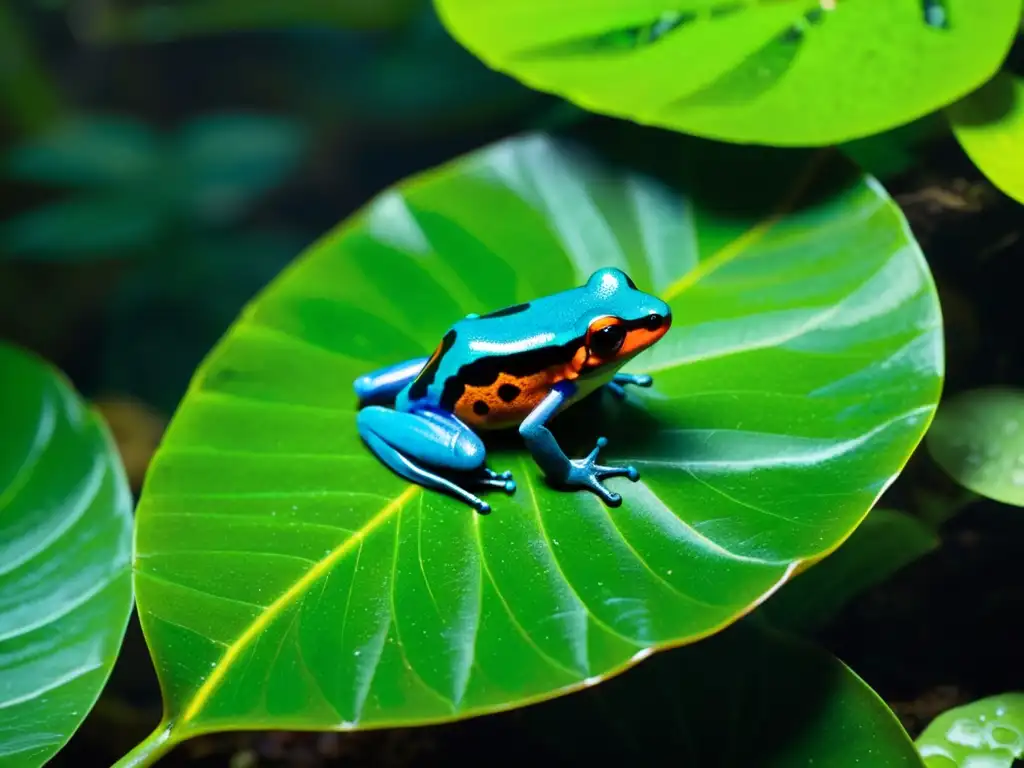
[500, 480]
[586, 473]
[617, 386]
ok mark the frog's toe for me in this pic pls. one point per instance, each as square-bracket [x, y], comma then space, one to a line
[611, 498]
[616, 389]
[604, 472]
[502, 481]
[506, 475]
[592, 457]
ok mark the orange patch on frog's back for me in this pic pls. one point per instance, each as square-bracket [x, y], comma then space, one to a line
[507, 401]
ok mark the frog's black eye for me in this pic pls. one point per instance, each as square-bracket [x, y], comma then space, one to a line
[653, 321]
[606, 341]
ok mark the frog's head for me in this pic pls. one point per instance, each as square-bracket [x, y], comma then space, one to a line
[622, 321]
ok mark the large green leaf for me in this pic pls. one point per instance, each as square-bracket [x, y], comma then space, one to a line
[65, 541]
[988, 733]
[989, 124]
[801, 72]
[884, 543]
[978, 439]
[287, 579]
[747, 697]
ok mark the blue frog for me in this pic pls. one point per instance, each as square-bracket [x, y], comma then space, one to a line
[514, 367]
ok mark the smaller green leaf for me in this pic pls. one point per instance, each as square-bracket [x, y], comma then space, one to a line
[226, 161]
[95, 151]
[65, 548]
[988, 733]
[748, 696]
[978, 439]
[82, 228]
[884, 543]
[989, 124]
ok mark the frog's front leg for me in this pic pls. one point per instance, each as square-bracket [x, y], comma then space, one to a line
[415, 444]
[580, 473]
[617, 386]
[383, 385]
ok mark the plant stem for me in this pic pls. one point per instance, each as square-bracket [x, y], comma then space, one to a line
[150, 749]
[29, 99]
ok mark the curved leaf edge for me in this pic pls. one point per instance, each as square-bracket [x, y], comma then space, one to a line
[960, 112]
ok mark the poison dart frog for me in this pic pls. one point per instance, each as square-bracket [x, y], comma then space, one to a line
[515, 367]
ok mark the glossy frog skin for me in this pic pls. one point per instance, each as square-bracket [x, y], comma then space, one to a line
[516, 367]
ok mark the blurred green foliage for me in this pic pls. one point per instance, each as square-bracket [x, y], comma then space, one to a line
[132, 190]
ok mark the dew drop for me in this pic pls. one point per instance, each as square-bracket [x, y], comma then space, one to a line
[669, 571]
[1018, 477]
[357, 653]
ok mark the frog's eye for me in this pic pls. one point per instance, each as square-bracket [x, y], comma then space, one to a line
[605, 337]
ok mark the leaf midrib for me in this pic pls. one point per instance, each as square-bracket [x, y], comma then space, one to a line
[288, 597]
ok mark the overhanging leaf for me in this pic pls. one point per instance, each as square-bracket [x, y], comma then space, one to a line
[783, 73]
[988, 733]
[886, 541]
[65, 539]
[989, 124]
[746, 697]
[978, 439]
[287, 579]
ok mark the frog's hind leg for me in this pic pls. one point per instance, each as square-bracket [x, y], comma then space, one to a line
[383, 385]
[406, 442]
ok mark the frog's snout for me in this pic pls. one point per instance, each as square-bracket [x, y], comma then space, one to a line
[659, 319]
